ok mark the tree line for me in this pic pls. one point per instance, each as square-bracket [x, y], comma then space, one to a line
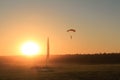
[105, 58]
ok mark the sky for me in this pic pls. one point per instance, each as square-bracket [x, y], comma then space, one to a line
[97, 24]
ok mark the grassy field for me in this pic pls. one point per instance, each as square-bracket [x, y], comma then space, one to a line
[60, 72]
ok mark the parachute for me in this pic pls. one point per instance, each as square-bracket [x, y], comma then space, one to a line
[71, 30]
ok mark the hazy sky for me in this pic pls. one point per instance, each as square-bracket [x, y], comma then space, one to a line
[97, 23]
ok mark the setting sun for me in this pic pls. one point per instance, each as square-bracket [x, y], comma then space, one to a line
[30, 48]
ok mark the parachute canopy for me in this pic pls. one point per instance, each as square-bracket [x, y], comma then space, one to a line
[73, 30]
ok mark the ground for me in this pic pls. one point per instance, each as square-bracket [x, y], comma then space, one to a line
[61, 72]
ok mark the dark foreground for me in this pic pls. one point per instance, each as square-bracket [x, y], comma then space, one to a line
[60, 72]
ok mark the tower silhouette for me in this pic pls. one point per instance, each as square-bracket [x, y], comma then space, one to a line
[48, 52]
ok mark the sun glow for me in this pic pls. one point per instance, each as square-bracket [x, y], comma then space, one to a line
[30, 48]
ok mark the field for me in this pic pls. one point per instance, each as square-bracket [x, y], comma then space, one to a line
[15, 71]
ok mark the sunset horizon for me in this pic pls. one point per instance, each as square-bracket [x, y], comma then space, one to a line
[96, 25]
[59, 39]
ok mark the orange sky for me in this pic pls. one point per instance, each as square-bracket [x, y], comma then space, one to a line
[97, 25]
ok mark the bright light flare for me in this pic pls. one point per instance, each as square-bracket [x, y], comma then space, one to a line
[30, 48]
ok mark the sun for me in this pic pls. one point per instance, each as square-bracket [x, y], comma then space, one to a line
[30, 48]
